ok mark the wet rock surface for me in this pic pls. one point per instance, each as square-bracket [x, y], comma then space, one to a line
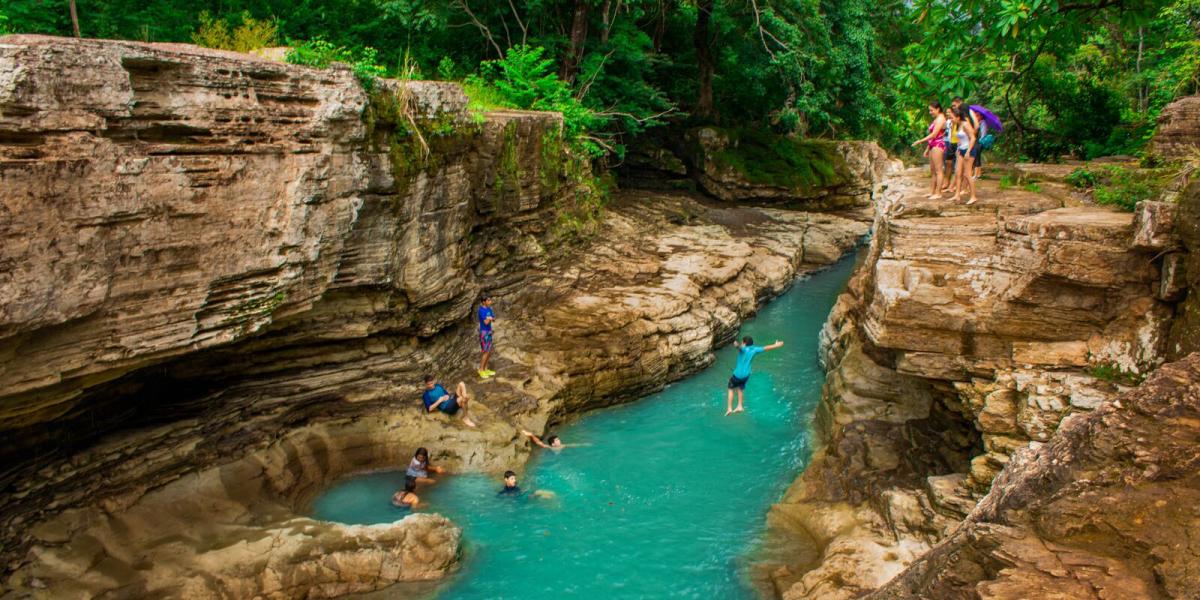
[232, 273]
[970, 334]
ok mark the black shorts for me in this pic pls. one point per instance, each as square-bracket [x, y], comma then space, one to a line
[737, 384]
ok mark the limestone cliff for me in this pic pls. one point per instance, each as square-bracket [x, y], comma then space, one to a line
[224, 276]
[970, 333]
[1109, 508]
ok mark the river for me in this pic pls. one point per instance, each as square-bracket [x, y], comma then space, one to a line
[662, 498]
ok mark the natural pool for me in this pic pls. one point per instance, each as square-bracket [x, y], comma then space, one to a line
[667, 498]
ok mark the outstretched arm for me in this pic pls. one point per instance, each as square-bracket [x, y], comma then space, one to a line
[777, 344]
[535, 439]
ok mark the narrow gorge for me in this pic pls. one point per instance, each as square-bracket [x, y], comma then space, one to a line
[226, 275]
[223, 277]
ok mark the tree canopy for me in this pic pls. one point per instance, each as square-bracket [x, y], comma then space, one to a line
[1084, 77]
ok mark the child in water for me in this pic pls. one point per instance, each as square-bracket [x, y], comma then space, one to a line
[405, 498]
[512, 489]
[552, 442]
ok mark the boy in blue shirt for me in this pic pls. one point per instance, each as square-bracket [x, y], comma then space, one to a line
[437, 398]
[741, 373]
[486, 316]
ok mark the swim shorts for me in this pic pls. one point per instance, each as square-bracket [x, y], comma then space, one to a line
[450, 406]
[485, 341]
[737, 383]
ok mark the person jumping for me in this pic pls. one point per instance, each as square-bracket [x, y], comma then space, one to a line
[741, 373]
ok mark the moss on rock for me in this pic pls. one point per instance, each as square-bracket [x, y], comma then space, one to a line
[764, 158]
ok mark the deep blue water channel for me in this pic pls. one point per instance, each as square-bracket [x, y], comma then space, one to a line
[666, 499]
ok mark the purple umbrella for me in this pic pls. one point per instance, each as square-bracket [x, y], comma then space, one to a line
[992, 120]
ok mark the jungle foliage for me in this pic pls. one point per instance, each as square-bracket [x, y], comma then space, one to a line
[1078, 77]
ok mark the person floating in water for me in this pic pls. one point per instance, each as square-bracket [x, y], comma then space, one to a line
[741, 373]
[419, 467]
[552, 442]
[437, 398]
[406, 498]
[512, 489]
[486, 317]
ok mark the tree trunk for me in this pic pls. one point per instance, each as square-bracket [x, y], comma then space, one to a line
[607, 21]
[74, 19]
[660, 24]
[704, 58]
[579, 24]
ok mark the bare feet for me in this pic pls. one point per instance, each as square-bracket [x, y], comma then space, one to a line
[728, 411]
[468, 422]
[973, 200]
[739, 409]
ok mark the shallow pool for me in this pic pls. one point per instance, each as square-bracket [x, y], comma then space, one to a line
[666, 497]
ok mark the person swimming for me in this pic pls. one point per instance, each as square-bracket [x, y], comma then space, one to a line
[510, 485]
[407, 498]
[511, 488]
[419, 467]
[552, 442]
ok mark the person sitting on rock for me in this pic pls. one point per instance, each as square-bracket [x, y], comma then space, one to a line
[406, 498]
[512, 489]
[741, 373]
[437, 398]
[419, 467]
[486, 317]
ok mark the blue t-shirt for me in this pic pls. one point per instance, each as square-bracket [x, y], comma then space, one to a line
[745, 355]
[484, 313]
[432, 396]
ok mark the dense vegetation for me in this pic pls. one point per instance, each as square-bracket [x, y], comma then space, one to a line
[1081, 77]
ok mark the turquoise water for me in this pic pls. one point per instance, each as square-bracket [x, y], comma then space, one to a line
[666, 498]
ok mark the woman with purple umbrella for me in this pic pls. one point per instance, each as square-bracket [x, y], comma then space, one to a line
[989, 126]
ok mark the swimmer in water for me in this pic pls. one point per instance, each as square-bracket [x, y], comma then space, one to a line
[405, 498]
[552, 442]
[512, 489]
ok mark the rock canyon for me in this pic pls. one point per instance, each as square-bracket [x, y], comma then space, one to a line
[222, 278]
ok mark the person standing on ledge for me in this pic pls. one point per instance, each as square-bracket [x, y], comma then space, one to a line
[437, 398]
[486, 317]
[741, 373]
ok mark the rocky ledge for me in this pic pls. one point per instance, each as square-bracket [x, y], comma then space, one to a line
[971, 335]
[226, 276]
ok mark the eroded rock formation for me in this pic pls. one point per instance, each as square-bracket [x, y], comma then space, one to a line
[1178, 132]
[970, 333]
[1108, 508]
[227, 275]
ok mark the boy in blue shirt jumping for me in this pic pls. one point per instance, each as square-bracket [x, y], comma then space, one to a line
[741, 373]
[486, 316]
[437, 398]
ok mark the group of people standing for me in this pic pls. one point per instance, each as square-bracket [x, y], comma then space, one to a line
[956, 140]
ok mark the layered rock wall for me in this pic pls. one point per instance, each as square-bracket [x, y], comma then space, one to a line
[226, 276]
[971, 332]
